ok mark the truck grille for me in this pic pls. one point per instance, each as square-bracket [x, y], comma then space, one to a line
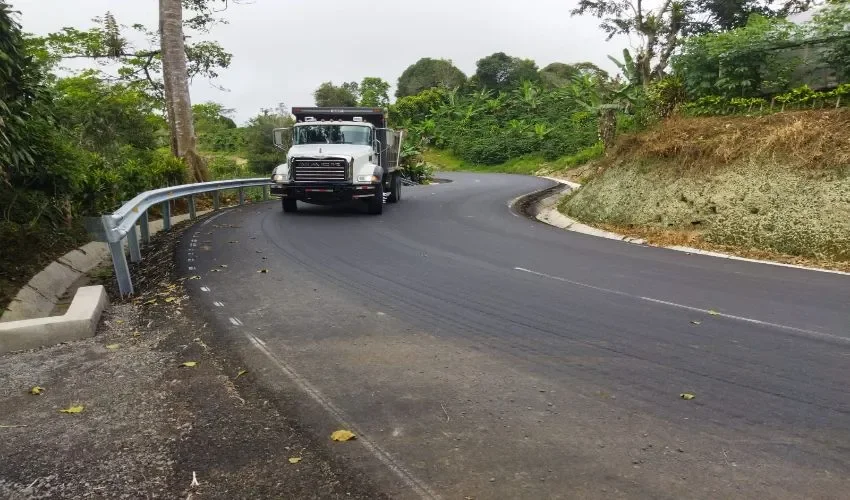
[308, 169]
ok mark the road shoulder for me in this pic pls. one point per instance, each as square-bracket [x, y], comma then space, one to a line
[149, 425]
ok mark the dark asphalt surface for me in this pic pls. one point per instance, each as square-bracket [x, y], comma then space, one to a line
[469, 376]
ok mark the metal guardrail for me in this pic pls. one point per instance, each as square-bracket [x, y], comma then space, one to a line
[122, 223]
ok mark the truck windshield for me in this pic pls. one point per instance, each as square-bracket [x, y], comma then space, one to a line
[333, 134]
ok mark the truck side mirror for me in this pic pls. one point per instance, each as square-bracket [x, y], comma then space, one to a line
[282, 138]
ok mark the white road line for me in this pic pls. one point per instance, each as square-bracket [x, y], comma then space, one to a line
[218, 304]
[191, 268]
[382, 455]
[799, 331]
[235, 321]
[205, 289]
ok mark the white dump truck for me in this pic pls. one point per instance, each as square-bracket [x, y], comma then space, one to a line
[336, 155]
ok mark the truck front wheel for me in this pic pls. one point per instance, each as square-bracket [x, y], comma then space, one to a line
[290, 206]
[376, 203]
[395, 194]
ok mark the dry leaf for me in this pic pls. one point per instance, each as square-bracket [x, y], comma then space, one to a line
[241, 372]
[263, 271]
[194, 277]
[189, 364]
[224, 266]
[170, 299]
[136, 334]
[294, 460]
[152, 301]
[343, 435]
[73, 409]
[112, 347]
[215, 270]
[687, 396]
[713, 312]
[35, 391]
[696, 322]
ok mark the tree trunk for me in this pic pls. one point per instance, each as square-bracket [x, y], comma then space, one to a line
[176, 79]
[607, 127]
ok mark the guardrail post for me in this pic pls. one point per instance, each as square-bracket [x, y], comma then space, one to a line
[166, 215]
[119, 260]
[241, 196]
[146, 231]
[265, 193]
[216, 200]
[192, 207]
[133, 243]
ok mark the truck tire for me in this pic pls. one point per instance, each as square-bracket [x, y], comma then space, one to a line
[376, 203]
[395, 194]
[290, 206]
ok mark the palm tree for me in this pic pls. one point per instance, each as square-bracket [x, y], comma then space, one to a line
[178, 103]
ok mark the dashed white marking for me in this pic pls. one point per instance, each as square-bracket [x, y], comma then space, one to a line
[415, 484]
[191, 268]
[799, 331]
[205, 289]
[235, 321]
[218, 304]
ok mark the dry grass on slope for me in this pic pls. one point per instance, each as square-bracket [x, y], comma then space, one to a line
[805, 139]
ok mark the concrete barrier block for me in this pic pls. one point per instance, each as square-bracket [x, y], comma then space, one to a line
[78, 323]
[29, 303]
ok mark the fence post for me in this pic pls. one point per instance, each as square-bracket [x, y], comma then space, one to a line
[216, 200]
[133, 243]
[166, 215]
[265, 193]
[241, 196]
[119, 260]
[192, 207]
[146, 231]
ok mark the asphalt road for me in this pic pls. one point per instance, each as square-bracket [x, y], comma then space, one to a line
[480, 354]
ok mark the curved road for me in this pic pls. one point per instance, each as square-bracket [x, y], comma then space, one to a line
[481, 354]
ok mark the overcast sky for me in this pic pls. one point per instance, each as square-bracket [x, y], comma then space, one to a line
[283, 49]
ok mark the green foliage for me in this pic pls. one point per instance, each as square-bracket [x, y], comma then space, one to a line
[664, 96]
[501, 72]
[329, 94]
[832, 24]
[429, 73]
[414, 109]
[374, 92]
[215, 129]
[259, 143]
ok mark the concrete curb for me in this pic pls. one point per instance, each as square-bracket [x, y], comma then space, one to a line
[548, 213]
[38, 298]
[78, 323]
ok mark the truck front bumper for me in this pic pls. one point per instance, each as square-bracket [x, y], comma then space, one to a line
[323, 193]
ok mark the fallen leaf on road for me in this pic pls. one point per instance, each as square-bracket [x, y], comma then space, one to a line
[215, 270]
[241, 372]
[687, 396]
[713, 312]
[150, 302]
[35, 391]
[189, 364]
[194, 277]
[343, 435]
[170, 299]
[112, 347]
[696, 322]
[224, 266]
[263, 271]
[73, 409]
[136, 334]
[294, 460]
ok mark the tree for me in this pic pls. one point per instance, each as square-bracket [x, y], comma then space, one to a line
[329, 94]
[429, 73]
[374, 92]
[723, 15]
[502, 72]
[178, 102]
[658, 31]
[259, 142]
[557, 75]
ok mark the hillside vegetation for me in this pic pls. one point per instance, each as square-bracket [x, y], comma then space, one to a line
[777, 183]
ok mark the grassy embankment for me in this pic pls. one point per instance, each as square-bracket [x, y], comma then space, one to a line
[527, 165]
[775, 186]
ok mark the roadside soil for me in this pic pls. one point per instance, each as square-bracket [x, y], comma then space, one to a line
[150, 425]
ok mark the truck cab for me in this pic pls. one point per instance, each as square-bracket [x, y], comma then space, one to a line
[335, 155]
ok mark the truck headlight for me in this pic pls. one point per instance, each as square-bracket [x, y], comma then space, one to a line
[368, 178]
[279, 178]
